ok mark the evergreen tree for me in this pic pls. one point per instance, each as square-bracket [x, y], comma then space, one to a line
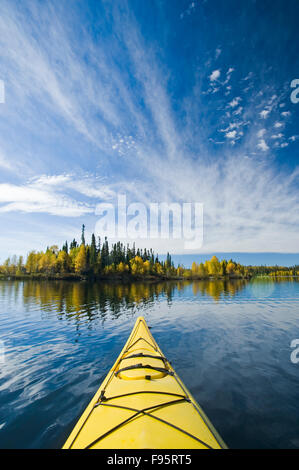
[97, 258]
[65, 247]
[83, 235]
[93, 252]
[73, 244]
[99, 245]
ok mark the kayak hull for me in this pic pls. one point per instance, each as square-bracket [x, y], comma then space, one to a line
[142, 404]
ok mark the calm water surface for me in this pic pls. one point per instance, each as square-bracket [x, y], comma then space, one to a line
[229, 342]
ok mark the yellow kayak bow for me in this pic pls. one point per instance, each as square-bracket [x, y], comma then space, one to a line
[142, 404]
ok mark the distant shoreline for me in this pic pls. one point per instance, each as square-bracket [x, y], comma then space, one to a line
[116, 277]
[131, 278]
[100, 261]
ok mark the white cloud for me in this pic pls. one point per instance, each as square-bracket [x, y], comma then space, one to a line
[87, 185]
[214, 75]
[76, 84]
[261, 132]
[217, 52]
[51, 194]
[272, 199]
[234, 102]
[262, 145]
[264, 114]
[277, 136]
[231, 135]
[48, 66]
[28, 199]
[278, 125]
[286, 113]
[228, 75]
[232, 125]
[238, 111]
[250, 75]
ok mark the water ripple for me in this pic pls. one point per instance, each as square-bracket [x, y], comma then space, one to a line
[230, 343]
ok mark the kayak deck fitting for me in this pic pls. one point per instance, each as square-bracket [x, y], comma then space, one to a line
[142, 404]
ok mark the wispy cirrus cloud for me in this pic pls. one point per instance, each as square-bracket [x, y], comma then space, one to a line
[115, 94]
[71, 78]
[55, 195]
[4, 162]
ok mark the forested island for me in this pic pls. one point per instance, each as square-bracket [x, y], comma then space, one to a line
[99, 260]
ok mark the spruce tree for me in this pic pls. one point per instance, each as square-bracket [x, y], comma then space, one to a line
[82, 235]
[93, 252]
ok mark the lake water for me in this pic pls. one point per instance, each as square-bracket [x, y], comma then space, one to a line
[229, 342]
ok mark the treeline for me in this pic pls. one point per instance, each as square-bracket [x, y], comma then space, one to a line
[214, 268]
[98, 259]
[274, 271]
[95, 259]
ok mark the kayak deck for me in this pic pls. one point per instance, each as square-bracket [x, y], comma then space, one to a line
[142, 404]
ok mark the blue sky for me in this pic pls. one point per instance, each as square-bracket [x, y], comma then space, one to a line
[160, 100]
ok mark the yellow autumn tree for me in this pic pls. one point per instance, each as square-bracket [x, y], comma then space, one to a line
[19, 269]
[73, 253]
[147, 267]
[121, 267]
[180, 271]
[202, 271]
[137, 266]
[62, 262]
[80, 260]
[32, 262]
[159, 269]
[43, 263]
[214, 266]
[230, 268]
